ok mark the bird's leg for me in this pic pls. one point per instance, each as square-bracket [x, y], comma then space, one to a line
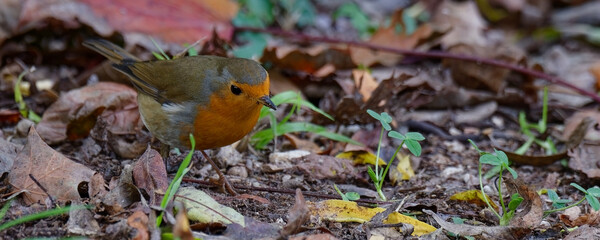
[222, 179]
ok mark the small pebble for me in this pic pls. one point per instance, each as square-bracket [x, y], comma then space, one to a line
[239, 171]
[23, 127]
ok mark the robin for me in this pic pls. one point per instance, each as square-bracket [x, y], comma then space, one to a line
[216, 99]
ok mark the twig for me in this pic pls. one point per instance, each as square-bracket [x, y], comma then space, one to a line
[288, 191]
[43, 188]
[430, 54]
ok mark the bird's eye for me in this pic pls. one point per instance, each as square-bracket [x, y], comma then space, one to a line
[236, 90]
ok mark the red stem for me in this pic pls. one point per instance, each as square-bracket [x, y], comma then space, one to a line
[430, 54]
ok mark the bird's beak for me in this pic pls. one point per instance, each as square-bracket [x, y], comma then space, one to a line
[265, 100]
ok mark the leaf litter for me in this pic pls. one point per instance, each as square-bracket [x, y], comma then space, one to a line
[97, 140]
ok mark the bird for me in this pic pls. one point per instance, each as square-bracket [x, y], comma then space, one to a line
[217, 99]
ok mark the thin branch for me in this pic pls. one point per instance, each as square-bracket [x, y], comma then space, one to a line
[430, 54]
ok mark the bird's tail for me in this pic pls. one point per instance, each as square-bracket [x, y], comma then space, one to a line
[111, 51]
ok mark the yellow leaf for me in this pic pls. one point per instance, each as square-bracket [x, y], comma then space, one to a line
[473, 196]
[403, 170]
[360, 157]
[203, 208]
[346, 211]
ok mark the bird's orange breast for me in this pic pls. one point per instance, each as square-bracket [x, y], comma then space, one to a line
[223, 122]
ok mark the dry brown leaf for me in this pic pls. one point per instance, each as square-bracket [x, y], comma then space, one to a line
[585, 158]
[182, 229]
[297, 216]
[592, 218]
[171, 21]
[571, 124]
[573, 65]
[474, 75]
[309, 60]
[9, 13]
[82, 222]
[122, 192]
[253, 230]
[462, 23]
[149, 174]
[9, 117]
[76, 112]
[365, 83]
[583, 232]
[97, 187]
[531, 215]
[8, 152]
[389, 37]
[327, 167]
[59, 175]
[302, 144]
[139, 221]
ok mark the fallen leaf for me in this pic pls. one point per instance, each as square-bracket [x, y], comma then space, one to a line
[9, 10]
[365, 83]
[575, 120]
[531, 209]
[9, 117]
[346, 211]
[574, 66]
[326, 167]
[297, 216]
[253, 230]
[59, 175]
[390, 37]
[181, 228]
[75, 113]
[309, 60]
[8, 153]
[203, 208]
[402, 171]
[81, 222]
[360, 157]
[592, 218]
[139, 221]
[302, 144]
[473, 196]
[176, 22]
[462, 23]
[123, 194]
[149, 174]
[585, 158]
[583, 232]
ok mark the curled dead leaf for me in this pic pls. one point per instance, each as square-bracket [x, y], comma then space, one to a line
[60, 176]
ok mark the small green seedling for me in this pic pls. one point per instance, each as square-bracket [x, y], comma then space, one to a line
[411, 140]
[541, 127]
[557, 202]
[23, 109]
[498, 160]
[515, 201]
[349, 196]
[591, 196]
[261, 138]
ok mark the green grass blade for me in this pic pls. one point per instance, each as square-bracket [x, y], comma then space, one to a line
[40, 215]
[174, 185]
[301, 127]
